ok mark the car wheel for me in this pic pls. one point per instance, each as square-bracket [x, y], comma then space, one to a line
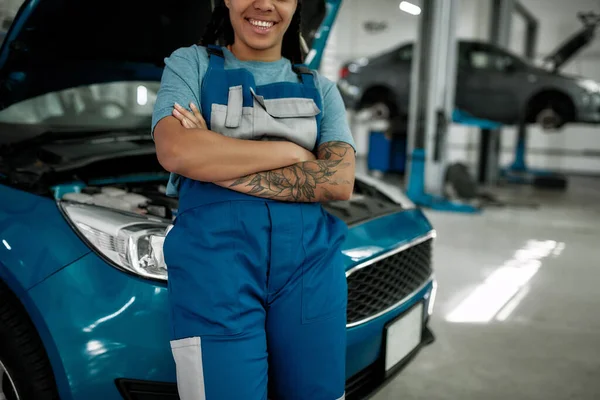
[24, 367]
[549, 119]
[8, 389]
[551, 110]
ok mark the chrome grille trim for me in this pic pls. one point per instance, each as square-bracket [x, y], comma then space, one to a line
[428, 236]
[393, 306]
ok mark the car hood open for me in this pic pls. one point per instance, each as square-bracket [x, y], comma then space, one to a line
[574, 44]
[58, 44]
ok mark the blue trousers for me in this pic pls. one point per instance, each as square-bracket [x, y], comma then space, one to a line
[258, 302]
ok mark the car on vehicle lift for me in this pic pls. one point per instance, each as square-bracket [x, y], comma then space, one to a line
[83, 215]
[492, 84]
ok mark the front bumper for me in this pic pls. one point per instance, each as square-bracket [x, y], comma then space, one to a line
[589, 110]
[107, 332]
[589, 118]
[366, 346]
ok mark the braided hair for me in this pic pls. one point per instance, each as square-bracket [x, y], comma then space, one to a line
[220, 31]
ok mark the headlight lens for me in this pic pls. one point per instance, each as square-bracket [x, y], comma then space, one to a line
[132, 242]
[589, 85]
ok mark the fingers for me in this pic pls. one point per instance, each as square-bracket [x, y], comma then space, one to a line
[188, 124]
[184, 115]
[198, 115]
[184, 112]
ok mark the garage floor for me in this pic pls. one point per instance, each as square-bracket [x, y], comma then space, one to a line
[544, 343]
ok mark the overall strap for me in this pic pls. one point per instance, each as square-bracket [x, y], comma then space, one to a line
[308, 80]
[216, 57]
[305, 74]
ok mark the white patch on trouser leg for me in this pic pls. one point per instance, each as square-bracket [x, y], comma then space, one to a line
[190, 373]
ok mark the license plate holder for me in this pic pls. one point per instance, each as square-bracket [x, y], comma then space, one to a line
[403, 335]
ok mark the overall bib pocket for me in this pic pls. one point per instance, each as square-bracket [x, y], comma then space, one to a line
[292, 119]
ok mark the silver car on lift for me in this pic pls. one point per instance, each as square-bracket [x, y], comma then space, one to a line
[492, 84]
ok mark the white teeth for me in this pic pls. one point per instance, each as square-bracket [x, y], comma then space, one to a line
[262, 24]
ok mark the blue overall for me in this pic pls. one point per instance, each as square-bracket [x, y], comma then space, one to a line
[257, 287]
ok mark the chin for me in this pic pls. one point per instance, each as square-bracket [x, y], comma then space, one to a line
[261, 44]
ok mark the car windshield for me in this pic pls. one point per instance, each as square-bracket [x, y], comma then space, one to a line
[106, 106]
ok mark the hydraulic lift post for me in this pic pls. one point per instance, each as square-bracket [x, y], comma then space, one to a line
[489, 143]
[519, 164]
[431, 106]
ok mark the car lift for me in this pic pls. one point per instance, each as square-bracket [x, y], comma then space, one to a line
[518, 172]
[431, 108]
[315, 54]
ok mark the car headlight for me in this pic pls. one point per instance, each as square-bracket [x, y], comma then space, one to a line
[131, 242]
[589, 85]
[391, 191]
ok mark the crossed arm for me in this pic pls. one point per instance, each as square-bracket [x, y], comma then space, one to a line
[275, 170]
[329, 177]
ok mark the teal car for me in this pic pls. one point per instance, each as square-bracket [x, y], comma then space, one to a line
[83, 213]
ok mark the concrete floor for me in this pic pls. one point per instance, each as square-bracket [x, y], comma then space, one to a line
[543, 342]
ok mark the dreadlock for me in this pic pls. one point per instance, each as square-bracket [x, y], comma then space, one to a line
[220, 31]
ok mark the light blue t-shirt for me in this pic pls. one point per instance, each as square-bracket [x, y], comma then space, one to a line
[182, 82]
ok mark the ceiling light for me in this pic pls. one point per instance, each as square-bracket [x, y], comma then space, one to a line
[410, 8]
[142, 95]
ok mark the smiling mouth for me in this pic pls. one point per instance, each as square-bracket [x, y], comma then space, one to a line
[262, 25]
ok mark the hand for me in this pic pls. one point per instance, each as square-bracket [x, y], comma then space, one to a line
[190, 120]
[303, 155]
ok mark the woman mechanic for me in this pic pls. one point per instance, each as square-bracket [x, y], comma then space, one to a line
[254, 142]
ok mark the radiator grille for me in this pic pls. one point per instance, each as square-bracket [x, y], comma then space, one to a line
[385, 283]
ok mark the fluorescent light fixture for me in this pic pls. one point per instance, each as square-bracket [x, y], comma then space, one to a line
[142, 95]
[410, 8]
[5, 243]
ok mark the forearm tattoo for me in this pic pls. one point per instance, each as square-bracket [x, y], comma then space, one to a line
[299, 182]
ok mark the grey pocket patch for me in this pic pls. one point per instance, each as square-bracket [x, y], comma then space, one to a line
[190, 373]
[218, 118]
[292, 119]
[291, 107]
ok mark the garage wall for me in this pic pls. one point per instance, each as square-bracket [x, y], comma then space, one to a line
[575, 149]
